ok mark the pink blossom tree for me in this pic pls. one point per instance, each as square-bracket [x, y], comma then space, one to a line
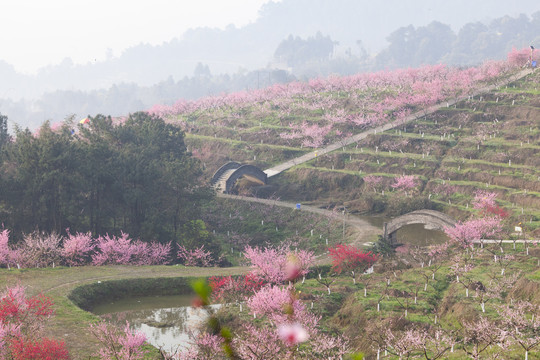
[484, 200]
[119, 344]
[77, 249]
[374, 182]
[159, 254]
[277, 265]
[521, 320]
[481, 335]
[403, 345]
[405, 183]
[520, 58]
[466, 233]
[271, 301]
[425, 343]
[496, 289]
[195, 257]
[112, 250]
[39, 250]
[204, 346]
[8, 256]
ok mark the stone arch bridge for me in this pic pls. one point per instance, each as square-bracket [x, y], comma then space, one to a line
[434, 219]
[226, 176]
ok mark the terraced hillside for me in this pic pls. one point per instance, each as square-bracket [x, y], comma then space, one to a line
[488, 142]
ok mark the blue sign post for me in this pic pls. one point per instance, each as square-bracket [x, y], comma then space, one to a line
[298, 206]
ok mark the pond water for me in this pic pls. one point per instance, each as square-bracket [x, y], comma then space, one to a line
[415, 234]
[165, 320]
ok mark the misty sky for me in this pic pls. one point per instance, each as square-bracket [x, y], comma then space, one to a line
[36, 33]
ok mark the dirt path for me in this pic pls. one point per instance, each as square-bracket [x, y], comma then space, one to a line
[364, 232]
[62, 280]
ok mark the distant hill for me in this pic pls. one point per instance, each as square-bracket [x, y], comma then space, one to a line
[349, 22]
[366, 36]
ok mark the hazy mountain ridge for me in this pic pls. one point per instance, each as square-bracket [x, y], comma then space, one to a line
[143, 74]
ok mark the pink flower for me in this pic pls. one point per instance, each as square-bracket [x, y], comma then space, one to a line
[405, 182]
[292, 334]
[277, 265]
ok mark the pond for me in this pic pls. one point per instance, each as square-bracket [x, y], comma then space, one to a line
[165, 320]
[415, 234]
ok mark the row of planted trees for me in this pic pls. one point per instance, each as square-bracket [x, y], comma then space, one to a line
[471, 274]
[510, 322]
[38, 250]
[485, 313]
[440, 307]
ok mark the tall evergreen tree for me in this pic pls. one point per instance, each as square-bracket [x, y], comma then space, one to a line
[135, 177]
[4, 134]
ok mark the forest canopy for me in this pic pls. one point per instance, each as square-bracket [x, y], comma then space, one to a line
[105, 176]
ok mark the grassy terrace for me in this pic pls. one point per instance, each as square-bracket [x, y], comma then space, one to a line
[378, 301]
[490, 144]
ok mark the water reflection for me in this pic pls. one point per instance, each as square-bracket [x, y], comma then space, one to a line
[167, 321]
[415, 234]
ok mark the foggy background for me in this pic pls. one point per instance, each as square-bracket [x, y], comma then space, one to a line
[289, 40]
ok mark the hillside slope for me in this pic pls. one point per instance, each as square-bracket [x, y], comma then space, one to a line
[487, 142]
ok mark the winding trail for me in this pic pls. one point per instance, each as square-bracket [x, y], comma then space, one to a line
[364, 232]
